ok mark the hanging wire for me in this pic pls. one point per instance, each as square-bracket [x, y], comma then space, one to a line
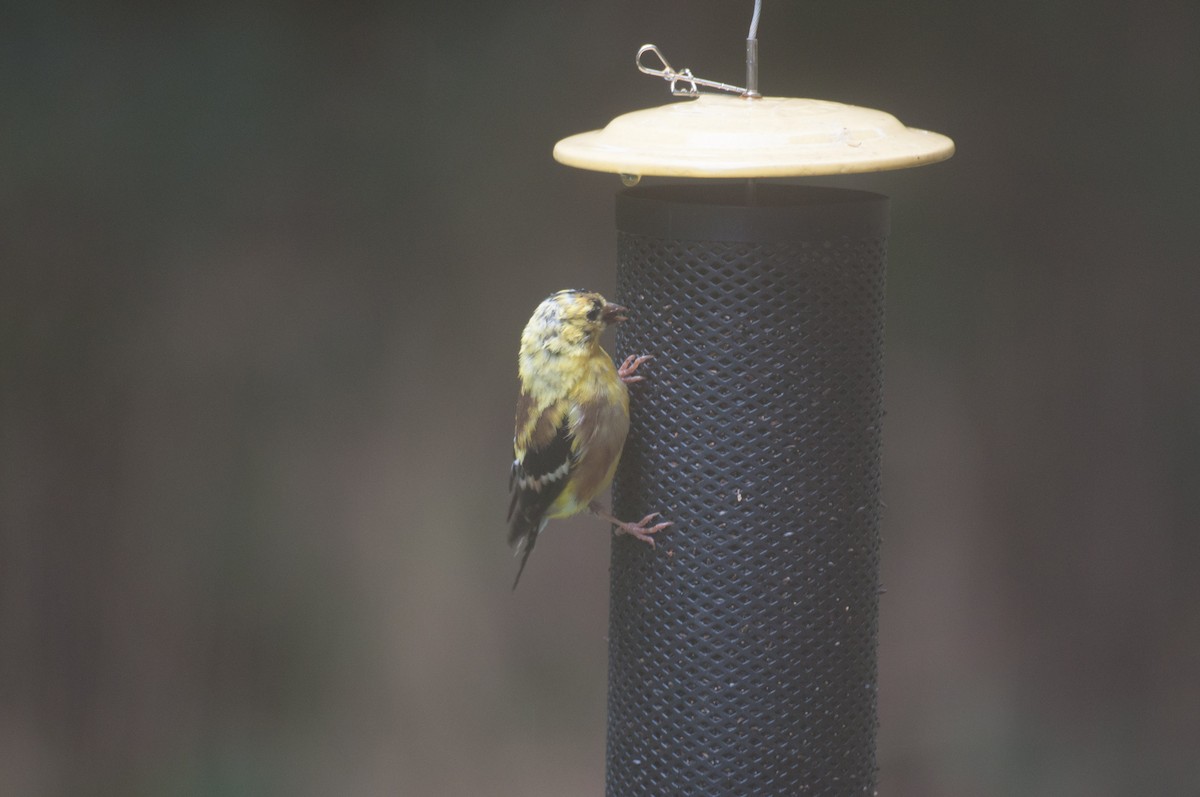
[752, 54]
[690, 83]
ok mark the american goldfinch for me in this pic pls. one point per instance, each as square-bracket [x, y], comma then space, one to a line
[572, 418]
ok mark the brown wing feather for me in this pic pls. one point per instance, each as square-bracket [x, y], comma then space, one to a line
[540, 473]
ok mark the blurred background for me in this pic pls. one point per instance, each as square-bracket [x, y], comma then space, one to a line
[263, 268]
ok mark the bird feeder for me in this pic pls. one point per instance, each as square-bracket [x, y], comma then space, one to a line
[742, 650]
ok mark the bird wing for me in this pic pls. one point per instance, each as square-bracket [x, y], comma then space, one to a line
[541, 469]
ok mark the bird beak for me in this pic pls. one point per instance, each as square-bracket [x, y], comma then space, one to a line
[613, 313]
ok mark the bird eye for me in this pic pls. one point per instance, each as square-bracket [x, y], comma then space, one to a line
[594, 313]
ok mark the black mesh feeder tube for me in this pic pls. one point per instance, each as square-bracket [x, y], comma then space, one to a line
[742, 649]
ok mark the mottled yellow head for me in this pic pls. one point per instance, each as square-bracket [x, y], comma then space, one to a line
[569, 320]
[565, 328]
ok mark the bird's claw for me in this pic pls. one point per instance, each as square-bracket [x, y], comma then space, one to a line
[641, 531]
[629, 367]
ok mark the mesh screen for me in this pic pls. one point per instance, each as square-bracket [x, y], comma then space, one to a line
[742, 651]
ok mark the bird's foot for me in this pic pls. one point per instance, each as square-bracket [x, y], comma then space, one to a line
[629, 367]
[642, 530]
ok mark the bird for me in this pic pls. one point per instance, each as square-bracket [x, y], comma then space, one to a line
[572, 419]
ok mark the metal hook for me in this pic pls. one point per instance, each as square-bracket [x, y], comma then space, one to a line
[668, 73]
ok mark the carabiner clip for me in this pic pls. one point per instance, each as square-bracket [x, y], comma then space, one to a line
[669, 74]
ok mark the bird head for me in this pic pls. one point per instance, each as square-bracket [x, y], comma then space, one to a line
[571, 318]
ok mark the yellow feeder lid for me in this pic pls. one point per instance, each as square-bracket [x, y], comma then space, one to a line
[714, 135]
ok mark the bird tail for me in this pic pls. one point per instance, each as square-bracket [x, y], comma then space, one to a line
[524, 559]
[523, 534]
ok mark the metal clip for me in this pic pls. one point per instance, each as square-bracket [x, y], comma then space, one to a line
[668, 73]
